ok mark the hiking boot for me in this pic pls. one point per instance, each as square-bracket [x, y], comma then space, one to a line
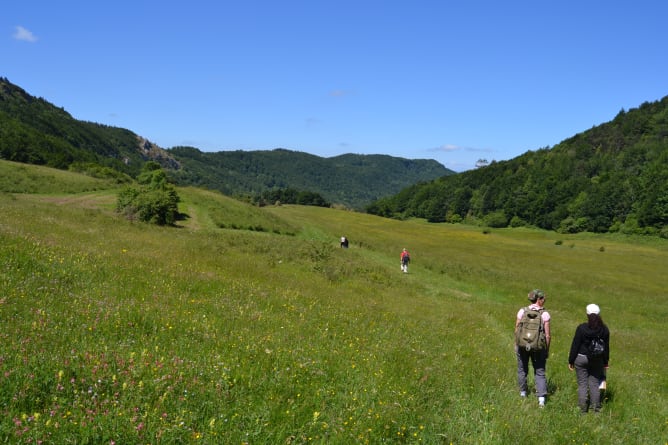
[541, 401]
[523, 393]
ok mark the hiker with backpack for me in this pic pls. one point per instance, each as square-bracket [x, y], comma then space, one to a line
[532, 343]
[405, 259]
[590, 351]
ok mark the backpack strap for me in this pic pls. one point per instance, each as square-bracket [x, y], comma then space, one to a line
[541, 328]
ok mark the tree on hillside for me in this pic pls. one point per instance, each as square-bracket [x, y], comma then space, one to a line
[153, 200]
[481, 163]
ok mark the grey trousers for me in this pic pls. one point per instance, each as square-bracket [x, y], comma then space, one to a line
[589, 374]
[539, 362]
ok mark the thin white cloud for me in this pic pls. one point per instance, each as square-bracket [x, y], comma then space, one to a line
[449, 148]
[446, 148]
[21, 33]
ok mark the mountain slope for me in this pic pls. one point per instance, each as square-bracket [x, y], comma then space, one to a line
[609, 178]
[34, 131]
[350, 179]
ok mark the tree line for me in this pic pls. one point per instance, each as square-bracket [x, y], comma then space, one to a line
[613, 177]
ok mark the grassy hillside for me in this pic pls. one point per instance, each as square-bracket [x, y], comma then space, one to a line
[120, 332]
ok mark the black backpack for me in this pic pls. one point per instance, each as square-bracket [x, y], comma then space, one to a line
[595, 347]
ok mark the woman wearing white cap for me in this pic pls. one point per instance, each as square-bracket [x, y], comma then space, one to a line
[590, 351]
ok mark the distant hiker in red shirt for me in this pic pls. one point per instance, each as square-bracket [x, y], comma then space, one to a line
[405, 259]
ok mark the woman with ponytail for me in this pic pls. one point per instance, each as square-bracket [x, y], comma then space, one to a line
[589, 355]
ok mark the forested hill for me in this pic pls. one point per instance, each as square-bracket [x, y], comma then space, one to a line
[613, 177]
[351, 179]
[34, 131]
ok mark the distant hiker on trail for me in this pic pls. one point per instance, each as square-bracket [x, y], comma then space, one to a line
[589, 354]
[532, 342]
[344, 242]
[405, 259]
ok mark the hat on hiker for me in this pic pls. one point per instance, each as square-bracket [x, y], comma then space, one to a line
[535, 295]
[593, 309]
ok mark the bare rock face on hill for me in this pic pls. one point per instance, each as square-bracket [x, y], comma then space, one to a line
[152, 152]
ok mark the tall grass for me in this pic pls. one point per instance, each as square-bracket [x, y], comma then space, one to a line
[119, 332]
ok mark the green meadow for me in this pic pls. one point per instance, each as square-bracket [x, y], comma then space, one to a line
[248, 325]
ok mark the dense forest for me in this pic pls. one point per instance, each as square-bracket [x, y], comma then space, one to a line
[34, 131]
[612, 177]
[351, 179]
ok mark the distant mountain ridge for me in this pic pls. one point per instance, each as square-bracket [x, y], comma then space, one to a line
[350, 179]
[34, 131]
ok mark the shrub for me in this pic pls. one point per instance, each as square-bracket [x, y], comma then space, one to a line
[454, 218]
[573, 225]
[496, 219]
[154, 201]
[516, 221]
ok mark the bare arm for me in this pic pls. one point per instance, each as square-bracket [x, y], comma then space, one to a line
[518, 319]
[546, 326]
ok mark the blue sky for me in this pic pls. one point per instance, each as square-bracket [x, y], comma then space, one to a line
[454, 81]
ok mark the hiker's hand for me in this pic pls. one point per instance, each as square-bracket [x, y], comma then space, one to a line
[570, 367]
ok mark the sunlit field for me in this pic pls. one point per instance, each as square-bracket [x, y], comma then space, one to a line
[247, 325]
